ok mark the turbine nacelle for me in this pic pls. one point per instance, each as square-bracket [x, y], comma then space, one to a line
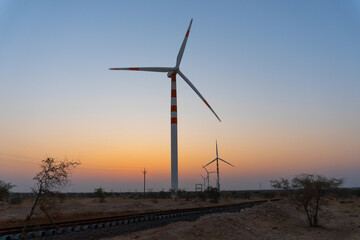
[175, 71]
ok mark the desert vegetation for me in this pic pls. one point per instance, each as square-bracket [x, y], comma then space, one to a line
[272, 220]
[88, 204]
[53, 175]
[307, 197]
[308, 190]
[100, 193]
[5, 189]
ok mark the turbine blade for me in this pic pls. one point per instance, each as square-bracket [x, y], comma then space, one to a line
[205, 169]
[148, 69]
[226, 162]
[182, 48]
[198, 93]
[216, 150]
[210, 162]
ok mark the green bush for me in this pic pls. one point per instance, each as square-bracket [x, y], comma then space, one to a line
[100, 193]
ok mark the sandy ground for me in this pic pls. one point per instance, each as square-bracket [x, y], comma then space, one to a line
[273, 220]
[71, 209]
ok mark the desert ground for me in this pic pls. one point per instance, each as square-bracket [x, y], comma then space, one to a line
[81, 208]
[339, 219]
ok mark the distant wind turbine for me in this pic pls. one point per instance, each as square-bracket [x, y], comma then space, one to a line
[171, 73]
[217, 166]
[204, 178]
[208, 176]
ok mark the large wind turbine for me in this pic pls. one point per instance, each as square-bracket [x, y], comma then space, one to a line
[217, 166]
[171, 73]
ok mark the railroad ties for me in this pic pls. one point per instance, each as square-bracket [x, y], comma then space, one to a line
[44, 230]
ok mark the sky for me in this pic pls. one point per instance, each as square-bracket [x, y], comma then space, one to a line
[283, 76]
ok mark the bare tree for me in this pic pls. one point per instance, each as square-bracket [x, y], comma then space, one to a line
[308, 190]
[53, 176]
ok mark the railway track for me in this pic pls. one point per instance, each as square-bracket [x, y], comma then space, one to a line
[43, 230]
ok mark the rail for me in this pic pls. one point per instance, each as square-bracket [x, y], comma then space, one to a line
[42, 230]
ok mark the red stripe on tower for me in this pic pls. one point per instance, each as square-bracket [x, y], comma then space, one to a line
[173, 99]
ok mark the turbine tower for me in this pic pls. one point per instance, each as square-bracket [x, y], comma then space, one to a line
[171, 73]
[208, 176]
[217, 166]
[204, 179]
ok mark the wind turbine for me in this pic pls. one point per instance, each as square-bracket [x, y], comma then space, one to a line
[217, 166]
[208, 175]
[204, 178]
[171, 73]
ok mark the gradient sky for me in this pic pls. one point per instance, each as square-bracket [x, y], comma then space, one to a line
[284, 76]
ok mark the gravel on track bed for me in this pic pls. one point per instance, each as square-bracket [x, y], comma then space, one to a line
[100, 233]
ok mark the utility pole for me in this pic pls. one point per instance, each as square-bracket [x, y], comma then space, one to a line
[144, 172]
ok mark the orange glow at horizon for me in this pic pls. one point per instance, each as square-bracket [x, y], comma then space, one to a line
[119, 152]
[109, 159]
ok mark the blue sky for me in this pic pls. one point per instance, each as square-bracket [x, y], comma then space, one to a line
[276, 72]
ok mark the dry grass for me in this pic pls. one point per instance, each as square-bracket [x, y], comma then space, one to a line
[273, 220]
[81, 208]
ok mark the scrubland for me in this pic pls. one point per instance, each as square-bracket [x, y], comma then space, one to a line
[339, 220]
[83, 206]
